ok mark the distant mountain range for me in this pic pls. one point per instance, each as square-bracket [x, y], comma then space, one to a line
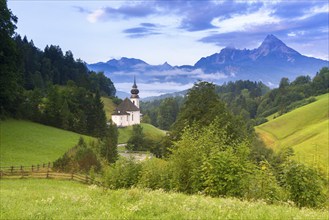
[268, 63]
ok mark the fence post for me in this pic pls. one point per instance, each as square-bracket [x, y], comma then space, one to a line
[22, 171]
[32, 168]
[12, 169]
[86, 179]
[38, 166]
[72, 175]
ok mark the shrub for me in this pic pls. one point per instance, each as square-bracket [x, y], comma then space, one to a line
[86, 158]
[155, 174]
[305, 185]
[79, 158]
[263, 185]
[225, 173]
[123, 173]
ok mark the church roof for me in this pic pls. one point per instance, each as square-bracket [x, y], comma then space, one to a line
[124, 107]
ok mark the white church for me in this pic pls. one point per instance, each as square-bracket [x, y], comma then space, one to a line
[128, 112]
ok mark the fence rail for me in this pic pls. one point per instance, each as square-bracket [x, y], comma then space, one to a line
[44, 171]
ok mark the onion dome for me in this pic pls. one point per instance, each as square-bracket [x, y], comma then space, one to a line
[134, 91]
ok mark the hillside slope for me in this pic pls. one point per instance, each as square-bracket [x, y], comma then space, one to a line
[305, 130]
[26, 143]
[150, 132]
[109, 107]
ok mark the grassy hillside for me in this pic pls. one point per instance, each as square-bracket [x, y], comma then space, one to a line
[150, 132]
[27, 143]
[305, 129]
[109, 107]
[46, 199]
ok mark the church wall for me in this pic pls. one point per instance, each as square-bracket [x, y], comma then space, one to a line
[134, 118]
[121, 120]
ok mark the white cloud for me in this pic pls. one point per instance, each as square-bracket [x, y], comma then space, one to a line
[94, 16]
[211, 76]
[154, 89]
[244, 22]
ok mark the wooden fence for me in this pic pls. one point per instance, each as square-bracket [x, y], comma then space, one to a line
[44, 171]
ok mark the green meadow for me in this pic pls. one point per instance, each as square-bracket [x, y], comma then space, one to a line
[305, 129]
[54, 199]
[26, 143]
[149, 130]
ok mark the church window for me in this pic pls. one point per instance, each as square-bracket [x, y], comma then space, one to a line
[132, 116]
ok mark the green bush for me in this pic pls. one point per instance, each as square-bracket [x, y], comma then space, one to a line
[79, 158]
[123, 173]
[263, 185]
[225, 173]
[305, 185]
[155, 174]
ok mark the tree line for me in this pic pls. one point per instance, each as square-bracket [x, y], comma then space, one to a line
[253, 101]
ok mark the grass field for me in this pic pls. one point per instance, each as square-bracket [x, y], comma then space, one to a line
[26, 143]
[150, 132]
[48, 199]
[109, 107]
[305, 129]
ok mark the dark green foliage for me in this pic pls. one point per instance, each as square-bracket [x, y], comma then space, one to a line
[80, 158]
[167, 114]
[242, 97]
[86, 159]
[320, 82]
[201, 106]
[10, 78]
[99, 82]
[137, 140]
[161, 149]
[71, 108]
[161, 113]
[96, 117]
[23, 66]
[109, 149]
[293, 95]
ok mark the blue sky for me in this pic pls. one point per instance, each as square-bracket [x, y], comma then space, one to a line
[179, 32]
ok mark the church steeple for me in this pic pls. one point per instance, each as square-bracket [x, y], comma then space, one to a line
[134, 91]
[134, 98]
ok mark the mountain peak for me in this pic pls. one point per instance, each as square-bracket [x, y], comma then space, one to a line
[124, 61]
[272, 44]
[272, 41]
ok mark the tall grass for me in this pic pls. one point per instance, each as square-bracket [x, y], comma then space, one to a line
[47, 199]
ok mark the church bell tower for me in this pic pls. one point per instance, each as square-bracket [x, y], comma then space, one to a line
[134, 98]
